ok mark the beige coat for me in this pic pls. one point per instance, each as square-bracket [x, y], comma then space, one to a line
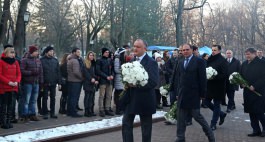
[74, 70]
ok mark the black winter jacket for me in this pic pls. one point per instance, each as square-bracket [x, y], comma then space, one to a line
[216, 86]
[51, 71]
[104, 69]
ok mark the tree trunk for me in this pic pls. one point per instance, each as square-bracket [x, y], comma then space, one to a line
[20, 28]
[4, 19]
[179, 37]
[123, 24]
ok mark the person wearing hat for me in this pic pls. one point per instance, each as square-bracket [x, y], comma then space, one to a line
[118, 85]
[52, 77]
[105, 72]
[32, 76]
[162, 81]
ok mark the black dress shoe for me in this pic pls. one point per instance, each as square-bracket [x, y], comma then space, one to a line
[213, 127]
[262, 134]
[204, 106]
[14, 120]
[54, 116]
[254, 134]
[228, 110]
[78, 108]
[159, 107]
[76, 115]
[222, 119]
[166, 105]
[233, 107]
[224, 104]
[109, 113]
[188, 123]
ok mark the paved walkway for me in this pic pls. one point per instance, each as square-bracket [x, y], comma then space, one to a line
[235, 128]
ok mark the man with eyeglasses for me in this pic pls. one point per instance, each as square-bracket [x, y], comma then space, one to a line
[216, 86]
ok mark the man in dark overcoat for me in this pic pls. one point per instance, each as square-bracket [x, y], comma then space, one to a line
[216, 85]
[140, 100]
[233, 66]
[253, 71]
[192, 88]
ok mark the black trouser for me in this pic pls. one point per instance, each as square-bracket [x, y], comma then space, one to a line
[117, 99]
[63, 99]
[231, 100]
[40, 100]
[255, 118]
[74, 90]
[158, 97]
[7, 104]
[89, 101]
[127, 127]
[52, 90]
[15, 100]
[181, 124]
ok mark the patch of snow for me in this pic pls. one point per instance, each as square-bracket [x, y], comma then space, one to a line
[70, 129]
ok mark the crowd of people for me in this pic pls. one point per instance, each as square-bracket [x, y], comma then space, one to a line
[29, 82]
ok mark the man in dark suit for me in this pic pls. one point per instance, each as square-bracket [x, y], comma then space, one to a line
[253, 71]
[141, 100]
[233, 66]
[260, 54]
[192, 88]
[216, 86]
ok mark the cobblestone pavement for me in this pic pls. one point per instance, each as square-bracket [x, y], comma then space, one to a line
[235, 128]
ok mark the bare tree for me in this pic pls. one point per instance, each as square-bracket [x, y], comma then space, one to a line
[96, 19]
[4, 19]
[20, 28]
[178, 10]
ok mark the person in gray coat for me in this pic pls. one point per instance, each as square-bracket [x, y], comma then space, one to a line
[118, 85]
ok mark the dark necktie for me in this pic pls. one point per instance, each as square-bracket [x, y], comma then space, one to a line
[229, 60]
[186, 62]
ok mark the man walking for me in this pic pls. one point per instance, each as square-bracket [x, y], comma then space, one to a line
[253, 71]
[142, 100]
[233, 66]
[216, 86]
[192, 88]
[51, 75]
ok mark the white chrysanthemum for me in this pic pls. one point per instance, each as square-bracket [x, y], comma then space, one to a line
[211, 72]
[134, 73]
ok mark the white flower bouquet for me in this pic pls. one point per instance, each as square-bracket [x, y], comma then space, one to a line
[237, 79]
[164, 90]
[133, 74]
[171, 115]
[210, 73]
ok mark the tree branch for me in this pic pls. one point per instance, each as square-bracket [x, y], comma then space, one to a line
[194, 6]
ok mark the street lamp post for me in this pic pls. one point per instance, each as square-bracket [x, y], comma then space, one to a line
[26, 20]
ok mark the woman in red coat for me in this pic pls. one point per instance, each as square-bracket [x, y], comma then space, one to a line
[10, 77]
